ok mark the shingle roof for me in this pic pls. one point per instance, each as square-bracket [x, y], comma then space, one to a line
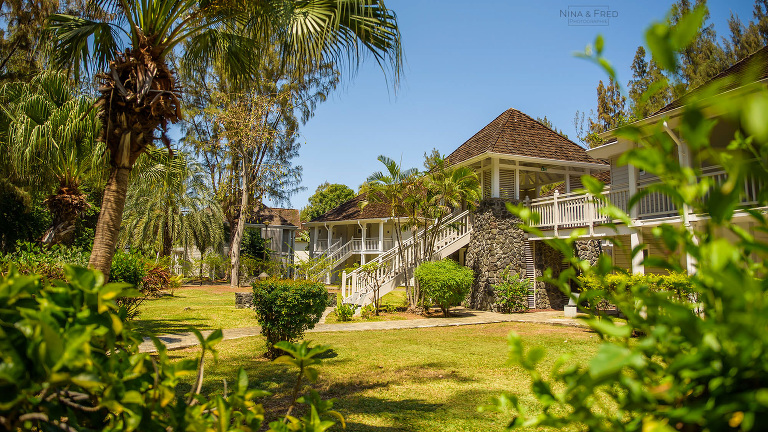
[515, 133]
[276, 216]
[753, 67]
[351, 210]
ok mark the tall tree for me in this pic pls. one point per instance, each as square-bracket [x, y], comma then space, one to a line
[139, 93]
[742, 41]
[611, 112]
[546, 122]
[51, 145]
[327, 196]
[703, 58]
[262, 150]
[648, 89]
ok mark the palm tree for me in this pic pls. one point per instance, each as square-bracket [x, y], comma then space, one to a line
[170, 204]
[447, 188]
[50, 138]
[390, 187]
[139, 93]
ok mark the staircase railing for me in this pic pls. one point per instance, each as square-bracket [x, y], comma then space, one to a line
[390, 263]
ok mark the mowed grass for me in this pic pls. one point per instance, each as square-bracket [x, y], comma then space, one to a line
[210, 308]
[205, 308]
[430, 379]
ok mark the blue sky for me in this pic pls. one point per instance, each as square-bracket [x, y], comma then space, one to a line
[465, 63]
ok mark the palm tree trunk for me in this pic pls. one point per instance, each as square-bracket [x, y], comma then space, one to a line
[108, 226]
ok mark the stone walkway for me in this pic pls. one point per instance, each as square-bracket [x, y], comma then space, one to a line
[461, 316]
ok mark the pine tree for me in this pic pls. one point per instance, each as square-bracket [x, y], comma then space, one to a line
[646, 77]
[611, 112]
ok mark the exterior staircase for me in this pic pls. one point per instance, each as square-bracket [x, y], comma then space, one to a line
[333, 256]
[359, 288]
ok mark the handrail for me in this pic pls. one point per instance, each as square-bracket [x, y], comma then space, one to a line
[390, 262]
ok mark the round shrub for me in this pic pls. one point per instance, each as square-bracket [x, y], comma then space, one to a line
[445, 283]
[287, 308]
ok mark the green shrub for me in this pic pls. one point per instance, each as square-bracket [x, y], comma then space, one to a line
[596, 290]
[368, 311]
[512, 292]
[286, 308]
[70, 363]
[444, 283]
[128, 268]
[344, 311]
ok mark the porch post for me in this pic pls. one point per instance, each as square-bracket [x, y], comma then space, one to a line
[635, 240]
[381, 236]
[362, 236]
[555, 211]
[567, 181]
[315, 233]
[495, 178]
[632, 174]
[517, 183]
[330, 237]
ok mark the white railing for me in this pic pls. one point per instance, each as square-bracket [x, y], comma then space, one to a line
[390, 263]
[371, 245]
[571, 210]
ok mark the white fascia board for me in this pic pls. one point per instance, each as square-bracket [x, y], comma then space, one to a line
[590, 165]
[347, 222]
[606, 151]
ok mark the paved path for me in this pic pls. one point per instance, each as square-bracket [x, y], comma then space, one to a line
[460, 317]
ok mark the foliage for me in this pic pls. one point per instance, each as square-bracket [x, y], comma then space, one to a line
[326, 197]
[51, 133]
[255, 245]
[48, 262]
[15, 214]
[369, 311]
[693, 365]
[512, 292]
[344, 311]
[313, 269]
[286, 308]
[594, 288]
[305, 357]
[72, 364]
[128, 267]
[445, 282]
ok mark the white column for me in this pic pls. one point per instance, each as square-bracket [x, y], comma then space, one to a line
[635, 240]
[555, 211]
[495, 178]
[363, 236]
[381, 236]
[632, 174]
[330, 235]
[315, 233]
[517, 183]
[567, 181]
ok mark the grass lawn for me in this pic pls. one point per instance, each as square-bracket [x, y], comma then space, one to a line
[206, 308]
[430, 379]
[213, 307]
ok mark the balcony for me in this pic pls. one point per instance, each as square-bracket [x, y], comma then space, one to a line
[574, 210]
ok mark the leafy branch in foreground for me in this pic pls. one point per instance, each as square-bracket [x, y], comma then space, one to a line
[71, 363]
[682, 362]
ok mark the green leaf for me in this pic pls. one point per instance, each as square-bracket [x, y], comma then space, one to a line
[611, 359]
[609, 328]
[593, 185]
[686, 29]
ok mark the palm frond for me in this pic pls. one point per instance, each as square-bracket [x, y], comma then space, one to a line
[80, 43]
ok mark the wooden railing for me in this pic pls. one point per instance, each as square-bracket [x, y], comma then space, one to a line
[562, 211]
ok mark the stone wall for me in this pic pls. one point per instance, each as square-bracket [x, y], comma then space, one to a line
[588, 250]
[496, 242]
[548, 296]
[244, 300]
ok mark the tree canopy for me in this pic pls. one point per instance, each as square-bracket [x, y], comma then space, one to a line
[327, 196]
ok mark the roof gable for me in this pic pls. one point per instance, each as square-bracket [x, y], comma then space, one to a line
[517, 134]
[351, 210]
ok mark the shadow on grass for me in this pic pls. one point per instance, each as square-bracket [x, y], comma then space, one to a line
[158, 327]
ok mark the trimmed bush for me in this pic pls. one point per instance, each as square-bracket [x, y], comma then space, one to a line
[286, 308]
[31, 258]
[343, 311]
[512, 293]
[444, 283]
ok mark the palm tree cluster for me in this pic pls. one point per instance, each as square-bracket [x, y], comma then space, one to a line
[139, 93]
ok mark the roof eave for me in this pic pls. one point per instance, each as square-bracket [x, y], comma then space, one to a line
[590, 165]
